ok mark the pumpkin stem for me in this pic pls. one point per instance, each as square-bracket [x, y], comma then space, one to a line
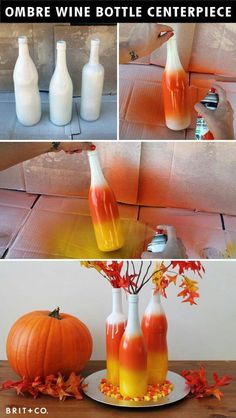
[55, 314]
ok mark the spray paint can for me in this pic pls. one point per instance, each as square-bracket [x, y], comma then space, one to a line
[158, 243]
[210, 102]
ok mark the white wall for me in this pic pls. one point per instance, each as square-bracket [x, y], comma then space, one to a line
[204, 332]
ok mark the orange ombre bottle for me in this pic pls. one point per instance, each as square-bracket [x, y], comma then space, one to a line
[103, 209]
[133, 355]
[175, 88]
[154, 327]
[115, 326]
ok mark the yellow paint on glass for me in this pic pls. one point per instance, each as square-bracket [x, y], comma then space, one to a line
[157, 367]
[133, 383]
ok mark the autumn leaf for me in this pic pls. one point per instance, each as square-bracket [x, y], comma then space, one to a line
[172, 279]
[195, 266]
[53, 385]
[190, 291]
[199, 386]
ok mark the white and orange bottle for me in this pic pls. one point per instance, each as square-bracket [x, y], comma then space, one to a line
[154, 327]
[25, 77]
[92, 85]
[61, 90]
[175, 88]
[103, 209]
[115, 326]
[133, 355]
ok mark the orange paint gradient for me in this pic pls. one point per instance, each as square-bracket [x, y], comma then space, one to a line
[176, 99]
[133, 366]
[154, 329]
[105, 217]
[114, 333]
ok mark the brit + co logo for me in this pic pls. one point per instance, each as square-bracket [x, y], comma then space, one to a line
[25, 411]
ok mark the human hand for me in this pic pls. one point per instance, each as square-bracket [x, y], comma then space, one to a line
[174, 248]
[146, 38]
[219, 121]
[75, 147]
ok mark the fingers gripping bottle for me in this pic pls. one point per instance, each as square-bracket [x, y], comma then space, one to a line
[61, 89]
[25, 77]
[154, 327]
[104, 209]
[92, 85]
[210, 102]
[115, 326]
[175, 88]
[133, 355]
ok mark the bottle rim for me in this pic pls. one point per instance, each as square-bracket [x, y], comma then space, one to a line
[95, 41]
[61, 44]
[93, 153]
[133, 298]
[116, 289]
[22, 39]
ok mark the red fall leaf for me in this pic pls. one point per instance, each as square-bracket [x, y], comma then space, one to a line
[53, 385]
[199, 386]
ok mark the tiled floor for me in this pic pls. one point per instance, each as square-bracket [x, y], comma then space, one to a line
[141, 102]
[103, 128]
[35, 226]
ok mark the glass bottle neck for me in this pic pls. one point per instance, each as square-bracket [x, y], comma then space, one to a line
[23, 50]
[133, 325]
[154, 307]
[61, 60]
[116, 301]
[94, 54]
[173, 61]
[97, 177]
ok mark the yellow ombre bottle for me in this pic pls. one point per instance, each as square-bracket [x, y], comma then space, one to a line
[104, 209]
[133, 355]
[115, 326]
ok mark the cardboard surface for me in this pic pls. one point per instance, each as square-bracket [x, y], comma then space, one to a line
[79, 206]
[13, 178]
[214, 49]
[61, 228]
[194, 176]
[129, 130]
[103, 128]
[14, 210]
[141, 100]
[69, 175]
[72, 236]
[17, 199]
[11, 220]
[191, 176]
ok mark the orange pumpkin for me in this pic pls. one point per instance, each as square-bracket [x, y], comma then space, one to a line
[41, 343]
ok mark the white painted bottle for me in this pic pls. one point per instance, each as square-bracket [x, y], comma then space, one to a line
[25, 77]
[61, 90]
[92, 85]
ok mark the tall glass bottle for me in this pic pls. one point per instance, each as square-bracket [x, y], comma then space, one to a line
[115, 326]
[103, 209]
[133, 355]
[25, 77]
[92, 85]
[154, 327]
[175, 88]
[61, 89]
